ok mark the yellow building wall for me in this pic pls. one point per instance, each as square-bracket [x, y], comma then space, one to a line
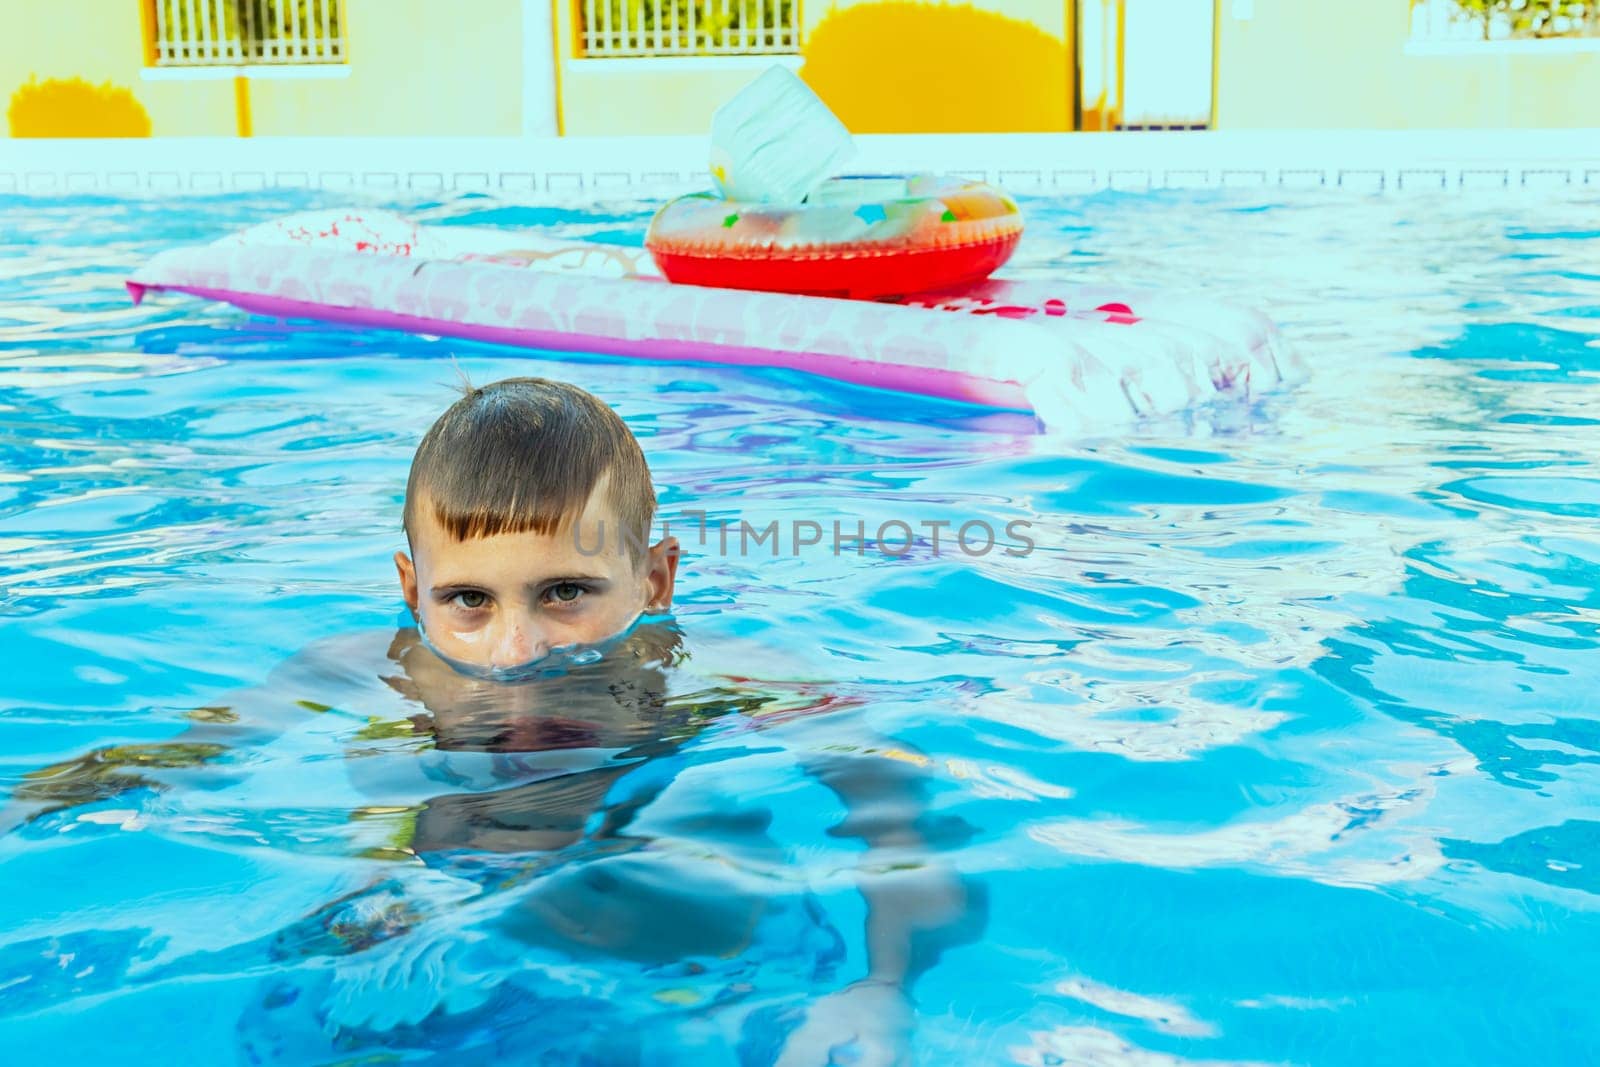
[443, 67]
[1049, 15]
[429, 68]
[1323, 66]
[102, 41]
[678, 96]
[611, 97]
[417, 67]
[604, 97]
[907, 66]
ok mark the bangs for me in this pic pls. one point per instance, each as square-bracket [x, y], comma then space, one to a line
[507, 508]
[526, 455]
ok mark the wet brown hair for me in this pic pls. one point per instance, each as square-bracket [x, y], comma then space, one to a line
[525, 454]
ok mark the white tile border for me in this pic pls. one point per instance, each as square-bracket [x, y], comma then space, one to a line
[1358, 162]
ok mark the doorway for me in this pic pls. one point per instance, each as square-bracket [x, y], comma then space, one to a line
[1145, 64]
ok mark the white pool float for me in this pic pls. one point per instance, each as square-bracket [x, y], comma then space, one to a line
[1084, 358]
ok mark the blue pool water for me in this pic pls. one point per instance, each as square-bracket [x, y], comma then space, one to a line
[1281, 745]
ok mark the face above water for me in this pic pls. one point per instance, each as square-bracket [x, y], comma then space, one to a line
[509, 599]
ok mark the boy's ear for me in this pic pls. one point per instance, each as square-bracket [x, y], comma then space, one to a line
[663, 573]
[408, 579]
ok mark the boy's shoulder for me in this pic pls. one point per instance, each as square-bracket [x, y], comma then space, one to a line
[352, 672]
[343, 659]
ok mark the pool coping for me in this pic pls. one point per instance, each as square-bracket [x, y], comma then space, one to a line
[585, 168]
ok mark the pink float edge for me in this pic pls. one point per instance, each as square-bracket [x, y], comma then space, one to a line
[932, 382]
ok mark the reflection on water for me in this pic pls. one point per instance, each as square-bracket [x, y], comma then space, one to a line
[1280, 745]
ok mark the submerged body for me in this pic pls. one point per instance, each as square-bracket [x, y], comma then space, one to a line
[524, 835]
[538, 686]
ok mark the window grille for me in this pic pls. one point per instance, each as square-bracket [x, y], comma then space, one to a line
[208, 33]
[688, 27]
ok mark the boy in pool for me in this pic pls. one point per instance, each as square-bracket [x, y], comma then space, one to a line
[526, 511]
[544, 668]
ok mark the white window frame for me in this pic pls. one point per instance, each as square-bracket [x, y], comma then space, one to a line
[652, 29]
[188, 34]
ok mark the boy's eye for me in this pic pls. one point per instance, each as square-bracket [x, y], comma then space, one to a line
[471, 599]
[566, 592]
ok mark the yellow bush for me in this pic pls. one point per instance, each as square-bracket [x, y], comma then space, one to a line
[938, 68]
[74, 108]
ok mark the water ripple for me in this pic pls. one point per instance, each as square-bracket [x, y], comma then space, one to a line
[1278, 744]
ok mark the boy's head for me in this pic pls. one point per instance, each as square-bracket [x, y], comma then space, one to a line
[527, 514]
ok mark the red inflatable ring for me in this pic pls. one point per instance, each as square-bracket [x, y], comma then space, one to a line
[863, 238]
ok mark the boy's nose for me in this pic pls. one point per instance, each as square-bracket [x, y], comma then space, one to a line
[519, 643]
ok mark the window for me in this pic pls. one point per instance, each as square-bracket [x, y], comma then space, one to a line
[1504, 20]
[688, 27]
[209, 33]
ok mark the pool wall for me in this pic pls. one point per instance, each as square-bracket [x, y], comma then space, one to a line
[586, 169]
